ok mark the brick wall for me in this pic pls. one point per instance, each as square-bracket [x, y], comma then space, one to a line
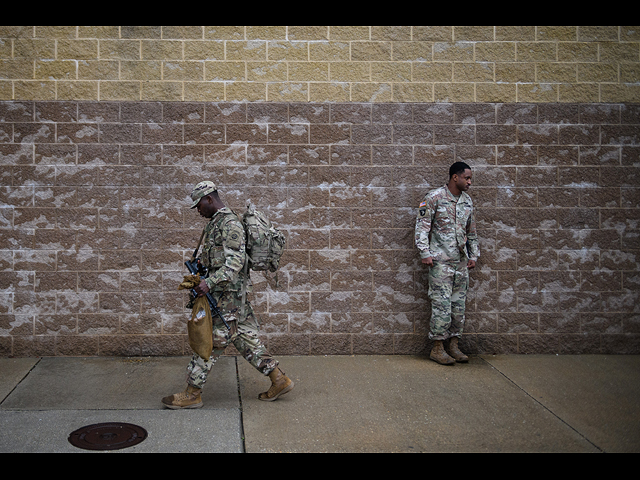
[337, 132]
[321, 63]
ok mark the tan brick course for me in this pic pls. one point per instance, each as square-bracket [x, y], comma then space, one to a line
[321, 63]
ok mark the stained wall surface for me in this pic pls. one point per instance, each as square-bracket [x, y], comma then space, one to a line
[337, 132]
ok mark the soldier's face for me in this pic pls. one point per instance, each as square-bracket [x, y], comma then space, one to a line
[205, 207]
[464, 180]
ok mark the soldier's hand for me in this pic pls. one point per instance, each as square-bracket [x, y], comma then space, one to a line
[471, 265]
[428, 261]
[202, 289]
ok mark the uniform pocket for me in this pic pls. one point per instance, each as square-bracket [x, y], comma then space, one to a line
[217, 257]
[212, 256]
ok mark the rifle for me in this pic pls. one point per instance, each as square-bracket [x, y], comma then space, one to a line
[196, 268]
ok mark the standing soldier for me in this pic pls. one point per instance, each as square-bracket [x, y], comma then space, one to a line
[223, 253]
[446, 236]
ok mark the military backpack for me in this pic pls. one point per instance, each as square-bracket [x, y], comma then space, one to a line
[265, 243]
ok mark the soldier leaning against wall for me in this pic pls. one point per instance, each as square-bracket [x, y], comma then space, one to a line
[446, 236]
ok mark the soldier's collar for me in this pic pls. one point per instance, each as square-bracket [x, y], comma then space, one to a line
[452, 196]
[222, 211]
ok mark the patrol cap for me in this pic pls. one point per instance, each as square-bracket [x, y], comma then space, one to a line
[201, 190]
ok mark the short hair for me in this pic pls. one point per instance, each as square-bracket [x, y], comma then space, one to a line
[457, 168]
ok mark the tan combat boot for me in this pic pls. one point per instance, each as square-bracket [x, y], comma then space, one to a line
[190, 398]
[280, 384]
[439, 355]
[455, 352]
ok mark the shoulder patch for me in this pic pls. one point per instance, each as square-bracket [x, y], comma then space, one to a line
[422, 211]
[234, 235]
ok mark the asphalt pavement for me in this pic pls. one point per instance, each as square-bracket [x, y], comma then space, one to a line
[341, 404]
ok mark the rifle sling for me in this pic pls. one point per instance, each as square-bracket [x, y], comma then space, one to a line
[195, 252]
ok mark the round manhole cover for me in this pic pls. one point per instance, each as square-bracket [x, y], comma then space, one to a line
[107, 436]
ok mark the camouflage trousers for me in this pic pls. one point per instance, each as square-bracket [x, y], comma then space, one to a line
[243, 335]
[448, 284]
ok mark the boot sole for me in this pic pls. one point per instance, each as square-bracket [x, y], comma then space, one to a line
[464, 359]
[453, 362]
[284, 390]
[178, 407]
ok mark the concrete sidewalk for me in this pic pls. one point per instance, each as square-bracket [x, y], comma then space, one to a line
[532, 403]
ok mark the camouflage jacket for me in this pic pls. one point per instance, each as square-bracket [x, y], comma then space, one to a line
[223, 252]
[446, 227]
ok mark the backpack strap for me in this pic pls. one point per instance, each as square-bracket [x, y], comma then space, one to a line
[245, 267]
[244, 284]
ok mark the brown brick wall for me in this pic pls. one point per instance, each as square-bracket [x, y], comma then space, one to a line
[95, 224]
[338, 132]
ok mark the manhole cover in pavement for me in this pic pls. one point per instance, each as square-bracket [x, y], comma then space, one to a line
[107, 436]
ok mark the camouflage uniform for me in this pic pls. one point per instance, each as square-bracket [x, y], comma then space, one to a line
[446, 231]
[223, 253]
